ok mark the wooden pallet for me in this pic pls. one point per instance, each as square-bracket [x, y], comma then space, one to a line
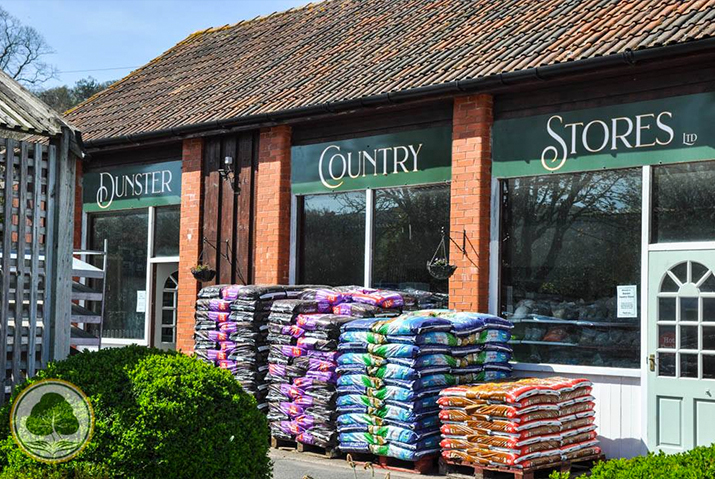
[424, 465]
[330, 453]
[457, 470]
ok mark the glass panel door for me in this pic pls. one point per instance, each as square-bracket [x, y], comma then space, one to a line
[165, 305]
[681, 347]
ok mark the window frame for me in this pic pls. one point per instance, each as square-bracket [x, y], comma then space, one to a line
[87, 222]
[296, 221]
[646, 247]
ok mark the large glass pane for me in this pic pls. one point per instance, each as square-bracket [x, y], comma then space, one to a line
[166, 231]
[567, 242]
[126, 234]
[408, 225]
[684, 202]
[333, 239]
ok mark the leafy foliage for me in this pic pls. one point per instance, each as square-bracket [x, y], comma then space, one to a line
[698, 463]
[64, 97]
[157, 414]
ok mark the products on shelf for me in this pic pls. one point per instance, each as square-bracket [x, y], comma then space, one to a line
[522, 423]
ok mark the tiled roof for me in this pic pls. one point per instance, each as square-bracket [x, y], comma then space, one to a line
[347, 49]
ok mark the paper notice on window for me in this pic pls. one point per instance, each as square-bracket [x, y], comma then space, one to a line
[627, 301]
[141, 301]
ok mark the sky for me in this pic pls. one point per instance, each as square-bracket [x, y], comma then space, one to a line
[107, 39]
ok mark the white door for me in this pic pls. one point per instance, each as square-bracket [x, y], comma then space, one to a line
[681, 350]
[165, 305]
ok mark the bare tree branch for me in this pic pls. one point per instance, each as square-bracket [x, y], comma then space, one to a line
[21, 51]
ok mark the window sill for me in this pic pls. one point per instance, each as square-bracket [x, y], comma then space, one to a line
[582, 370]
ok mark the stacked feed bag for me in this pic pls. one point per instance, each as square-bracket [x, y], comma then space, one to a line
[368, 303]
[302, 370]
[390, 374]
[231, 332]
[481, 346]
[523, 423]
[418, 300]
[576, 415]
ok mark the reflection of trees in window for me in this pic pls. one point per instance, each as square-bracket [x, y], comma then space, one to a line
[576, 235]
[408, 224]
[333, 239]
[126, 234]
[684, 202]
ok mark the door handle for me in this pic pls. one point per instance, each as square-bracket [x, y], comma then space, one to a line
[651, 362]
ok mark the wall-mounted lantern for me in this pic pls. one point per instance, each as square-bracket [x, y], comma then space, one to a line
[227, 173]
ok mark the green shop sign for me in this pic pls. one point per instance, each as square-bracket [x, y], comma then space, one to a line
[405, 158]
[139, 186]
[654, 132]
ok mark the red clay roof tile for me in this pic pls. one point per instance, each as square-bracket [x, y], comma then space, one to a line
[348, 49]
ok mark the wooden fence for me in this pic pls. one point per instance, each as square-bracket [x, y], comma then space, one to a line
[36, 183]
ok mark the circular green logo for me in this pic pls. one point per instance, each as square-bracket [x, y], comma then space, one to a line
[52, 420]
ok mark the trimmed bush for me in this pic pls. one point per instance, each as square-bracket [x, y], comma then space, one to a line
[158, 414]
[698, 463]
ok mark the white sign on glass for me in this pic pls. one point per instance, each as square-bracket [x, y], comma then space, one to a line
[627, 301]
[141, 301]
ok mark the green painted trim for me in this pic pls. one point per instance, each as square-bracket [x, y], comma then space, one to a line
[685, 133]
[154, 184]
[427, 150]
[133, 203]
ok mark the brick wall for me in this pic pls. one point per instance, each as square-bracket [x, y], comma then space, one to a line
[190, 240]
[272, 226]
[470, 211]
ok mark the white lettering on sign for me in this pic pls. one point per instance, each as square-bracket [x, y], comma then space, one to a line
[334, 164]
[612, 134]
[113, 187]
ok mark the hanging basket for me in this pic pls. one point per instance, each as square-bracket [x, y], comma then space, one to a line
[203, 273]
[439, 267]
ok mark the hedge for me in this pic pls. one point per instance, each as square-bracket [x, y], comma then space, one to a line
[158, 414]
[698, 463]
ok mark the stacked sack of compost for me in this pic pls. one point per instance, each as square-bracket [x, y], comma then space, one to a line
[523, 423]
[302, 362]
[480, 346]
[390, 375]
[231, 332]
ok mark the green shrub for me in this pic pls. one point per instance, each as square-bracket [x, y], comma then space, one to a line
[157, 414]
[698, 463]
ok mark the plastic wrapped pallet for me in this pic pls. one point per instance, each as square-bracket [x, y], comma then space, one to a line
[522, 423]
[302, 361]
[481, 346]
[390, 374]
[231, 332]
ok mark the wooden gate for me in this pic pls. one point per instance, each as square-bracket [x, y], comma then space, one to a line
[36, 183]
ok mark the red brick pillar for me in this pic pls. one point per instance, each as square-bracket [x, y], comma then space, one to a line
[273, 198]
[190, 241]
[471, 191]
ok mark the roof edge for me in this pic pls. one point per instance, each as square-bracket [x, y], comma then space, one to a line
[472, 85]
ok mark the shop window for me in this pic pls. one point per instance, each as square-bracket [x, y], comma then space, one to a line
[166, 231]
[683, 203]
[127, 235]
[333, 239]
[407, 229]
[567, 243]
